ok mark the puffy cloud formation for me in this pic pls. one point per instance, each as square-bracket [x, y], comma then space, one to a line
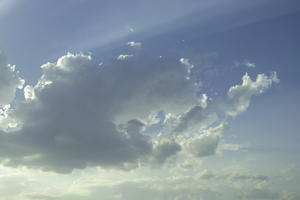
[206, 143]
[80, 114]
[239, 96]
[163, 151]
[10, 81]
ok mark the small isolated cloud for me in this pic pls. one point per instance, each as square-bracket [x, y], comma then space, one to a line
[239, 96]
[186, 62]
[245, 63]
[124, 56]
[134, 44]
[249, 64]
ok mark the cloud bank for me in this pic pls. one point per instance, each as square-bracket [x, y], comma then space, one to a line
[80, 114]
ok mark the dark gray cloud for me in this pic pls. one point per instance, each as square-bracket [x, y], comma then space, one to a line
[163, 151]
[80, 114]
[195, 119]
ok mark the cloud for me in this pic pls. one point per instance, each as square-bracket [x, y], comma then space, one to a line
[181, 187]
[13, 186]
[188, 64]
[10, 81]
[164, 151]
[206, 143]
[194, 120]
[124, 56]
[232, 177]
[134, 44]
[245, 63]
[249, 64]
[262, 193]
[239, 96]
[80, 115]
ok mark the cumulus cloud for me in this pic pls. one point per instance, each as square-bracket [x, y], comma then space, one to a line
[10, 81]
[239, 96]
[79, 114]
[205, 144]
[194, 120]
[164, 151]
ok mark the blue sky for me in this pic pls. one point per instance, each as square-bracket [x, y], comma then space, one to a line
[216, 82]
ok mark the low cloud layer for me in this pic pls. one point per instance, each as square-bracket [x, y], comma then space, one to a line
[80, 114]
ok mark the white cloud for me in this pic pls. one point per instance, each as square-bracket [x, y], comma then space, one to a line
[188, 64]
[134, 44]
[10, 81]
[245, 63]
[205, 144]
[203, 101]
[230, 147]
[29, 92]
[239, 96]
[249, 64]
[200, 185]
[124, 56]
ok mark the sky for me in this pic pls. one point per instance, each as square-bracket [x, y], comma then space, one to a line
[161, 99]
